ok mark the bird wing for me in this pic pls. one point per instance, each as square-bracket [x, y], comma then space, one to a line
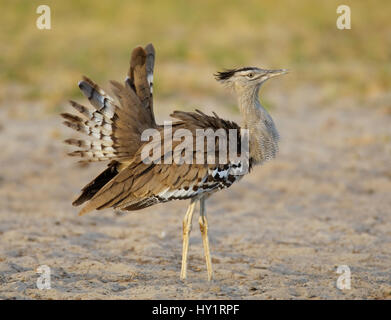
[141, 184]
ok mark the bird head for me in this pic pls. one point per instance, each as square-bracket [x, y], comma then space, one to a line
[247, 78]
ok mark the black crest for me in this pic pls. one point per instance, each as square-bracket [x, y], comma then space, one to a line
[226, 74]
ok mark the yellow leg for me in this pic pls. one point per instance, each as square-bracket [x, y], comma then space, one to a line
[187, 220]
[204, 232]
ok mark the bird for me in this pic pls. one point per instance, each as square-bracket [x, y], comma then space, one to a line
[115, 127]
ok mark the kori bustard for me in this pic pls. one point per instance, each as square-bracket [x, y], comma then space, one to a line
[115, 128]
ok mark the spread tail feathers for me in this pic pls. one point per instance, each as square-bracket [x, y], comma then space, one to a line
[115, 129]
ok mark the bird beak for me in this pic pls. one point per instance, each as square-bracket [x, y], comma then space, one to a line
[275, 73]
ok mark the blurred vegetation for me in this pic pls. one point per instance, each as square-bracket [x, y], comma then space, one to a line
[193, 39]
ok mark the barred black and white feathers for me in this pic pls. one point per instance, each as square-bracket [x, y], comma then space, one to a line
[115, 129]
[96, 124]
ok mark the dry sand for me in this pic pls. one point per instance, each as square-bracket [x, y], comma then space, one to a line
[280, 233]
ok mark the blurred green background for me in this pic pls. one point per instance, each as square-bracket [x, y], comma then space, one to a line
[193, 39]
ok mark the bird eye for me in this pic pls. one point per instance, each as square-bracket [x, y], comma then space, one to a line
[250, 75]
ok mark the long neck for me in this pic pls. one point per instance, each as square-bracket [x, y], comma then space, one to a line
[262, 131]
[250, 107]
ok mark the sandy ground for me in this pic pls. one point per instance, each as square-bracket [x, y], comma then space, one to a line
[280, 233]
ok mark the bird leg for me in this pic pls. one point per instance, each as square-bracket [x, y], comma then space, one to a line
[187, 220]
[204, 232]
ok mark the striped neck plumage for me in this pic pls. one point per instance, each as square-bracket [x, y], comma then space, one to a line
[262, 130]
